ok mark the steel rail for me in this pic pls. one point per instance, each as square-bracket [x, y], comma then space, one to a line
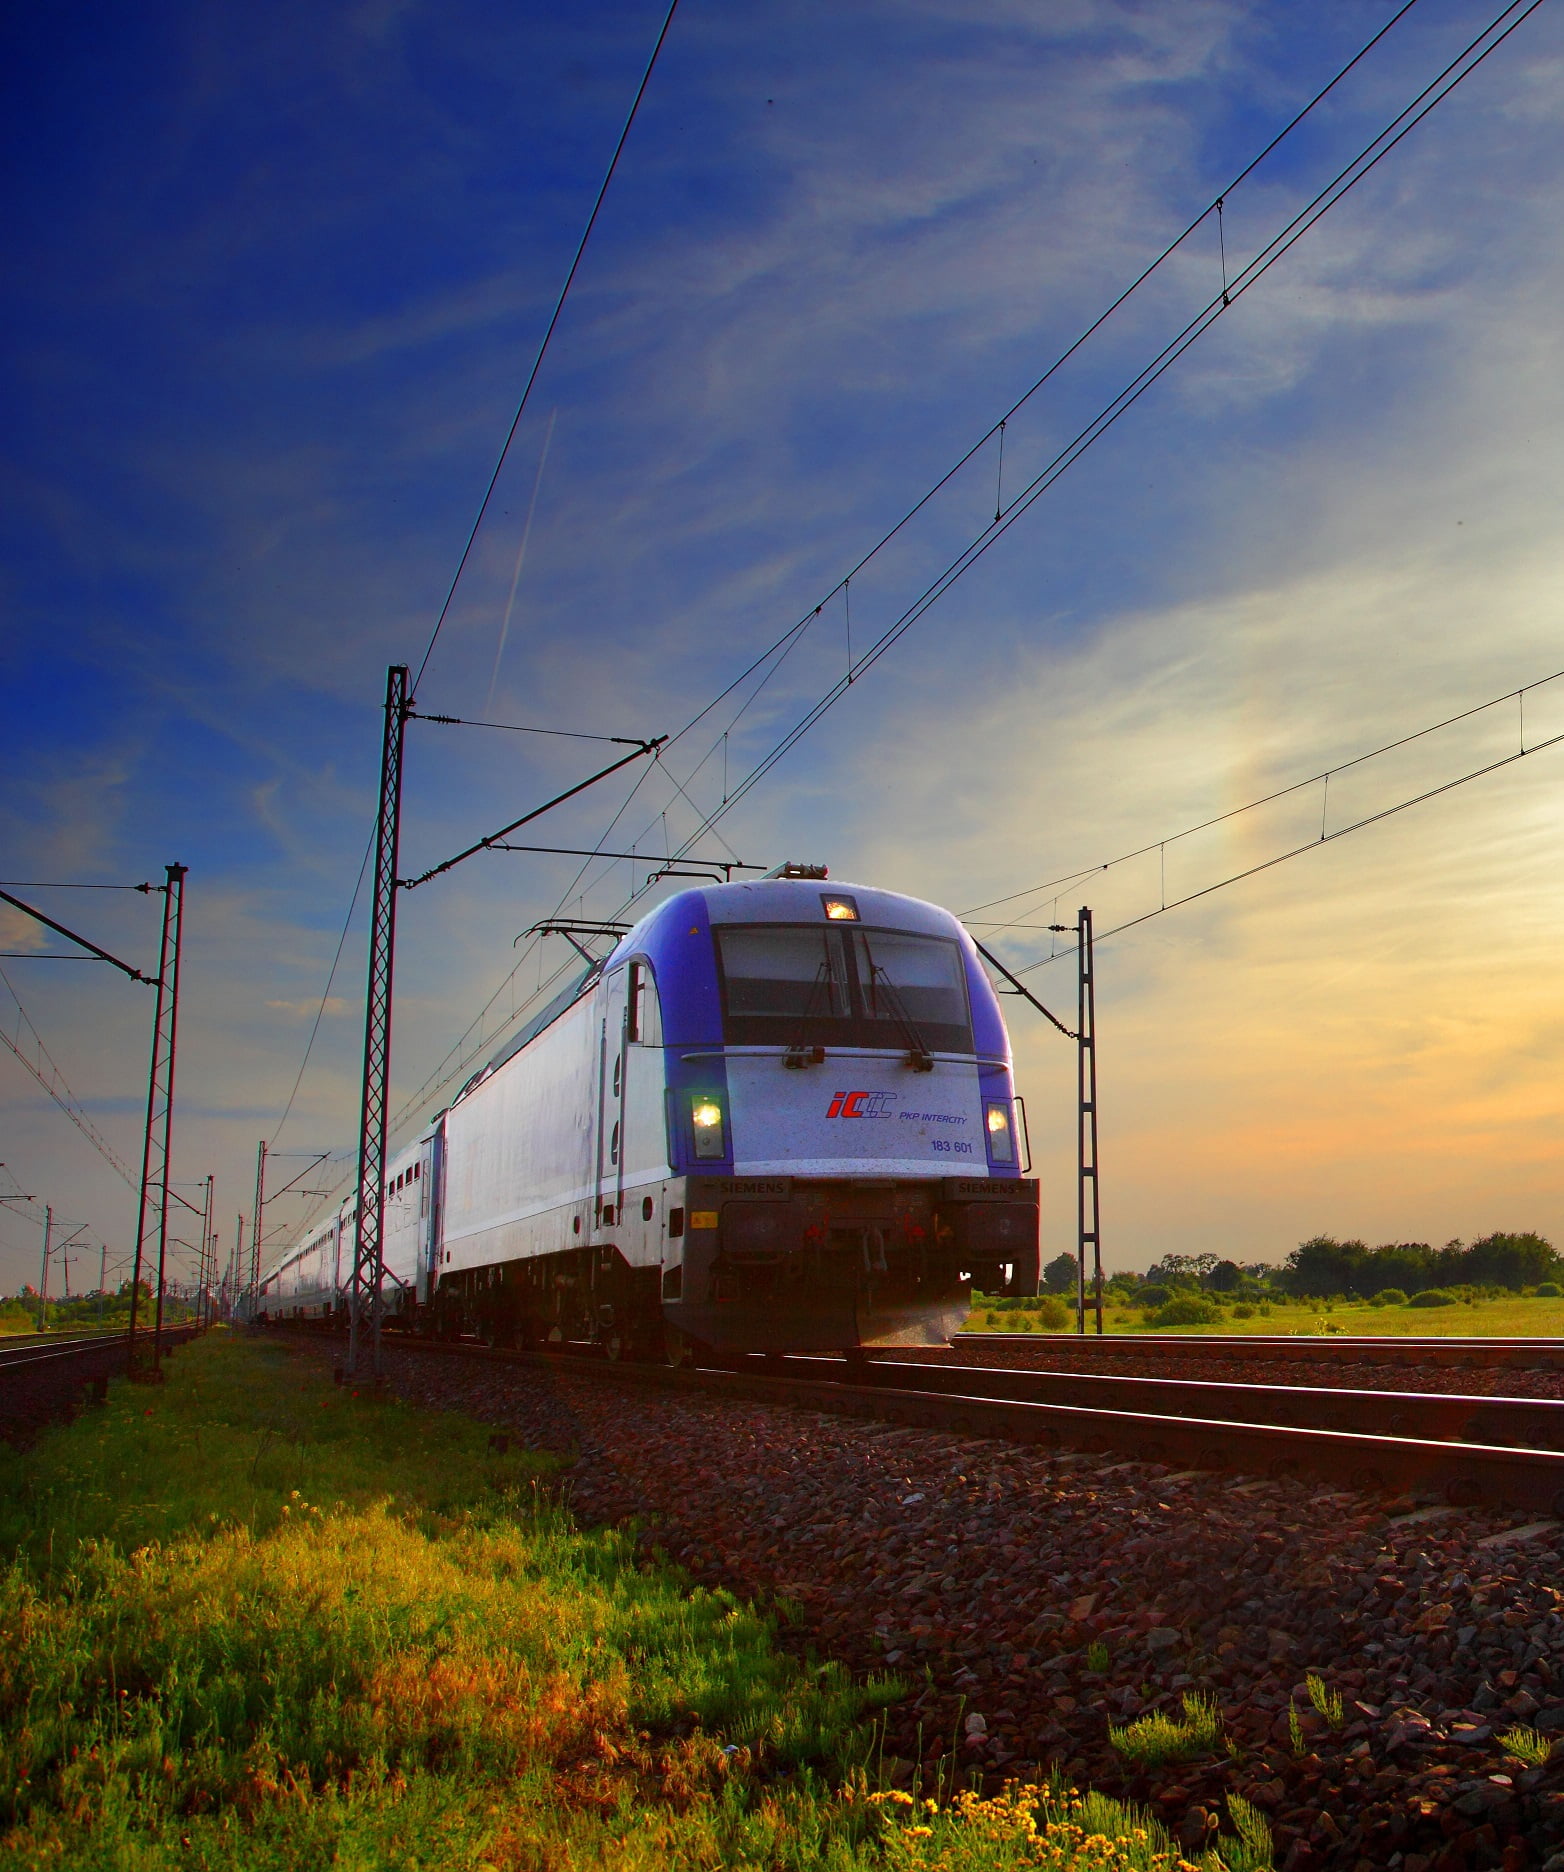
[1436, 1416]
[1461, 1474]
[24, 1351]
[44, 1351]
[1536, 1354]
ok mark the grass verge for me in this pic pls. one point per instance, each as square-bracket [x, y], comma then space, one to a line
[253, 1621]
[1523, 1316]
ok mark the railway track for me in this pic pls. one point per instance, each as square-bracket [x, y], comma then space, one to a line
[1437, 1447]
[48, 1348]
[42, 1378]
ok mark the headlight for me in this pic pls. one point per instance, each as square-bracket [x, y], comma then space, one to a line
[706, 1123]
[1001, 1138]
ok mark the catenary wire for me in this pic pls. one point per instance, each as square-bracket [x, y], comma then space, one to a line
[1267, 799]
[325, 995]
[1336, 190]
[55, 1084]
[566, 734]
[1327, 198]
[1344, 180]
[537, 362]
[790, 637]
[1058, 363]
[1297, 851]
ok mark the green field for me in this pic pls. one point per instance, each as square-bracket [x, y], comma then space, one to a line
[1511, 1316]
[254, 1621]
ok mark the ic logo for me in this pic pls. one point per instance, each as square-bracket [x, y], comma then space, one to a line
[861, 1105]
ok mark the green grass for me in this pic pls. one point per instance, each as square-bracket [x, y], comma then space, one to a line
[253, 1621]
[1326, 1701]
[1513, 1316]
[1152, 1740]
[1527, 1745]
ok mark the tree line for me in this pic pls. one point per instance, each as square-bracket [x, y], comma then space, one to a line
[1322, 1265]
[1324, 1268]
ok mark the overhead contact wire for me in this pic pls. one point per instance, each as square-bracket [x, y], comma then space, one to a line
[537, 362]
[1335, 191]
[1344, 181]
[1059, 362]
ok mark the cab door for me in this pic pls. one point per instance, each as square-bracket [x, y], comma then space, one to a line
[610, 1099]
[644, 1134]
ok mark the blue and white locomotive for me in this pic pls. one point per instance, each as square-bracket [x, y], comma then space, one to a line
[780, 1116]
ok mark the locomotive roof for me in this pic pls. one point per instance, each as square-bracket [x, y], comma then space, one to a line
[794, 900]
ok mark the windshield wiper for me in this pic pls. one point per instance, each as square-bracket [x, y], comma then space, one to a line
[919, 1058]
[804, 1053]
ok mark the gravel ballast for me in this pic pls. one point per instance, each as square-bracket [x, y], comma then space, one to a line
[1029, 1600]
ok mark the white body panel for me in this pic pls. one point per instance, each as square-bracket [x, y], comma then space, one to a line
[866, 1116]
[572, 1123]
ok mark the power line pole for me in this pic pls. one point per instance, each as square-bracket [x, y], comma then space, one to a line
[368, 1280]
[160, 1112]
[208, 1260]
[103, 1275]
[43, 1279]
[1088, 1200]
[255, 1225]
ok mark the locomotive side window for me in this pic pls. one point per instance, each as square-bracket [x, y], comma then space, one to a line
[643, 1015]
[801, 985]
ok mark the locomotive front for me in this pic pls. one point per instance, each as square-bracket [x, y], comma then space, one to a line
[840, 1098]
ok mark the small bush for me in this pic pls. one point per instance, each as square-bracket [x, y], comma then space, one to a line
[1097, 1656]
[1549, 1290]
[1432, 1297]
[1186, 1310]
[1527, 1745]
[1157, 1738]
[1153, 1295]
[1389, 1296]
[1052, 1314]
[1243, 1312]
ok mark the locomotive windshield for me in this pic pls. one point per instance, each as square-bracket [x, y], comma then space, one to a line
[793, 984]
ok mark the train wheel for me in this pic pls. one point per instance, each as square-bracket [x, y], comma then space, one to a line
[678, 1349]
[614, 1346]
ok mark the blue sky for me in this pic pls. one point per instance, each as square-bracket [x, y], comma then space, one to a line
[274, 283]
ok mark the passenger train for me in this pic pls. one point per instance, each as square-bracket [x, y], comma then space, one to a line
[779, 1117]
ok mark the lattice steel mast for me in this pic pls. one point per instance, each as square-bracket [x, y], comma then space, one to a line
[160, 1110]
[1088, 1201]
[368, 1280]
